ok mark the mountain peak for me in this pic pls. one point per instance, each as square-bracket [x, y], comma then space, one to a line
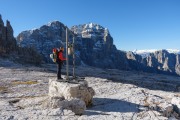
[89, 30]
[55, 22]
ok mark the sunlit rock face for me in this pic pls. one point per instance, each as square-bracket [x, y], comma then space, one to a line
[96, 46]
[44, 39]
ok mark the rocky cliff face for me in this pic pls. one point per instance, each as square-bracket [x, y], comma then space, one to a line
[164, 61]
[160, 61]
[9, 48]
[177, 66]
[97, 48]
[7, 40]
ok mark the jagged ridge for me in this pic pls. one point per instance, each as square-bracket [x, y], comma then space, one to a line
[9, 48]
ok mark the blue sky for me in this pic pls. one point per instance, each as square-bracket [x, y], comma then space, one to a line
[133, 24]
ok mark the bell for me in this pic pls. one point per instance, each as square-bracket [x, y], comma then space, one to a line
[70, 49]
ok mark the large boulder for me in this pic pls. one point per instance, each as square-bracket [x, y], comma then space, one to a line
[70, 95]
[71, 91]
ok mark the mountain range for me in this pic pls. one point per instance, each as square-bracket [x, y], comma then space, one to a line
[145, 53]
[94, 47]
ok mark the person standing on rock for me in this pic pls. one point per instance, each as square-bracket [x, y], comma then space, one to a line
[60, 60]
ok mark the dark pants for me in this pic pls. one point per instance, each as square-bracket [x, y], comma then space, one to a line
[59, 66]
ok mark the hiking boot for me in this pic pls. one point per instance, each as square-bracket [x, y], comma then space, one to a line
[60, 78]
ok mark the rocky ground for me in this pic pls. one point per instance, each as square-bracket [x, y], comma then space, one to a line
[120, 95]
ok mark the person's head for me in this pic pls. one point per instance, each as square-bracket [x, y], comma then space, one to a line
[62, 48]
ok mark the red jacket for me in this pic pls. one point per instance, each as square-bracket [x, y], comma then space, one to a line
[61, 56]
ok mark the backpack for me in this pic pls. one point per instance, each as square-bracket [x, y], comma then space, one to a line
[54, 55]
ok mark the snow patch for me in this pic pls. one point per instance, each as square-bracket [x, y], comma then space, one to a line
[145, 53]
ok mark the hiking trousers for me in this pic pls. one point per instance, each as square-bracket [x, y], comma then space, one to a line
[59, 67]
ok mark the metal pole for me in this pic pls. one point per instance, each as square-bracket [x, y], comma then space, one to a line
[73, 58]
[67, 59]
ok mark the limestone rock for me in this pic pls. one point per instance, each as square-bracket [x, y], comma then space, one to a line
[75, 105]
[71, 90]
[162, 106]
[56, 102]
[167, 109]
[176, 101]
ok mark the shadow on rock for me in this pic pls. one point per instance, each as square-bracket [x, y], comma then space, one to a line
[101, 105]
